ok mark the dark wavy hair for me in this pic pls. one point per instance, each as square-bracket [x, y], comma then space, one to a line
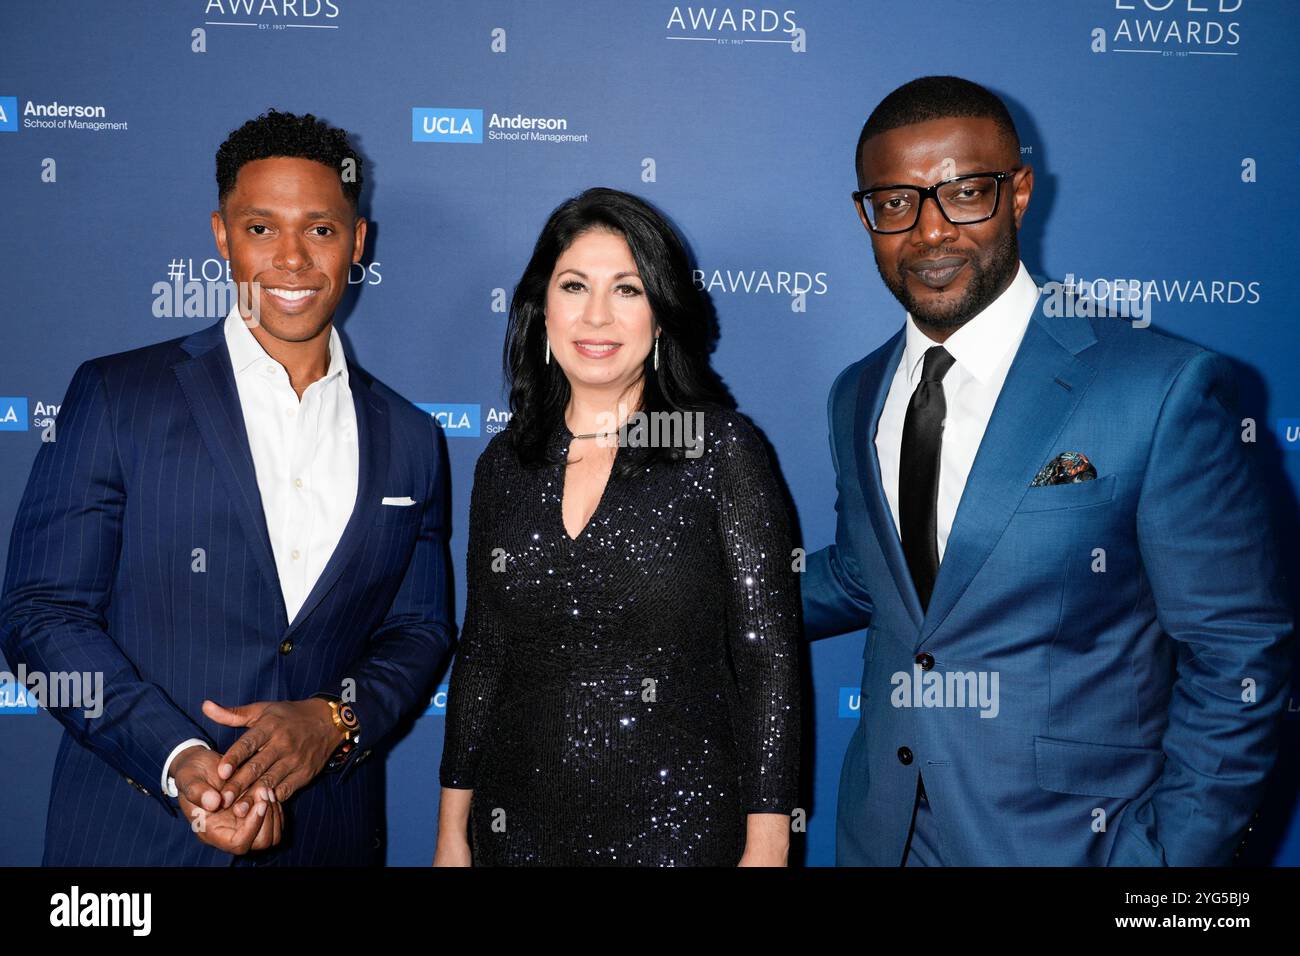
[275, 133]
[539, 392]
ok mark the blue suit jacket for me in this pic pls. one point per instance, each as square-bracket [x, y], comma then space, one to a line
[151, 463]
[1137, 623]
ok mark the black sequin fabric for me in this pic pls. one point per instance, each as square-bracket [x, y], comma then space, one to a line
[628, 696]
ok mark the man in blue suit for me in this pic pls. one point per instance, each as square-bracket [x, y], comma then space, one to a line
[245, 534]
[1079, 644]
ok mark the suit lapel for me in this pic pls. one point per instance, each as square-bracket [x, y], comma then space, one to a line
[873, 387]
[208, 382]
[373, 454]
[1043, 386]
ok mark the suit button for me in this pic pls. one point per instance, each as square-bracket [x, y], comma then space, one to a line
[925, 660]
[286, 647]
[904, 756]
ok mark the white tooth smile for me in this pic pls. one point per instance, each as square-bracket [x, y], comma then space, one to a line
[597, 348]
[291, 294]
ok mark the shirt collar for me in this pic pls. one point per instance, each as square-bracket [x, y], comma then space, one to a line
[246, 351]
[981, 344]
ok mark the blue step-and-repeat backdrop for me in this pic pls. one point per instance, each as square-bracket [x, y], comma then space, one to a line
[1163, 134]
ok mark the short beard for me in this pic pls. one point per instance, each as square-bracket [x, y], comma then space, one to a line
[991, 273]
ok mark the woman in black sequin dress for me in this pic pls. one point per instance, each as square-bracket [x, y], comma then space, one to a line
[626, 688]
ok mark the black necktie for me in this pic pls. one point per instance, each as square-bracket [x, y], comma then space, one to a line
[918, 472]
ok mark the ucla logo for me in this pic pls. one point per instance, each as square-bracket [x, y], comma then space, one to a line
[436, 124]
[13, 414]
[458, 421]
[437, 703]
[8, 114]
[850, 702]
[14, 699]
[1288, 433]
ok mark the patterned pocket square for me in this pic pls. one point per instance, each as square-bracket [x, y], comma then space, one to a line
[1066, 468]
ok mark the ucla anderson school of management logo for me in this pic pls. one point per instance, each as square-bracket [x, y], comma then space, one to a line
[447, 124]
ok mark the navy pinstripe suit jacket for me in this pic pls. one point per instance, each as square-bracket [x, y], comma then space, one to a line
[150, 463]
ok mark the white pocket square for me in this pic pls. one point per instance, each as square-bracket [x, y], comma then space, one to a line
[399, 502]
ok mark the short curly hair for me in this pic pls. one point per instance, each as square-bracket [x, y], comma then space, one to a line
[276, 133]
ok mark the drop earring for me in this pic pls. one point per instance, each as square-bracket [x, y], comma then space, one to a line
[548, 350]
[656, 353]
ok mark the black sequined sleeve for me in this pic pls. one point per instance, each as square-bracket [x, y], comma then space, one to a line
[481, 653]
[763, 610]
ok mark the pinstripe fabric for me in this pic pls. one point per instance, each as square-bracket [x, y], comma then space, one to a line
[151, 474]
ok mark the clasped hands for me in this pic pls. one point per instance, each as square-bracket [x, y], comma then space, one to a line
[235, 801]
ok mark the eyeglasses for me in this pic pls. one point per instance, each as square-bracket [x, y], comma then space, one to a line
[963, 200]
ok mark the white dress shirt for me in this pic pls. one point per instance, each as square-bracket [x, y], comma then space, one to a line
[982, 350]
[306, 458]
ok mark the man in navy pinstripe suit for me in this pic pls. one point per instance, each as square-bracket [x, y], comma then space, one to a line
[246, 535]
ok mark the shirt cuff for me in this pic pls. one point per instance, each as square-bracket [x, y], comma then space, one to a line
[168, 784]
